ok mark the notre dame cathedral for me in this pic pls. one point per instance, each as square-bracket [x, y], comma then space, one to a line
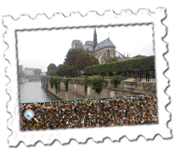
[102, 51]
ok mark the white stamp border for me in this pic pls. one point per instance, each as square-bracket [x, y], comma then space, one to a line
[15, 137]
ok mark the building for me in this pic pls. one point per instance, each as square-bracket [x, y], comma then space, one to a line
[102, 51]
[20, 68]
[43, 74]
[29, 72]
[20, 71]
[76, 44]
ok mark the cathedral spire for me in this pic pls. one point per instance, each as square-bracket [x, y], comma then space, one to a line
[95, 38]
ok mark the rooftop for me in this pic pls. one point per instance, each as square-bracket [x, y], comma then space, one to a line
[104, 43]
[88, 48]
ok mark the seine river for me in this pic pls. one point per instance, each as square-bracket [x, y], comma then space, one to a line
[34, 92]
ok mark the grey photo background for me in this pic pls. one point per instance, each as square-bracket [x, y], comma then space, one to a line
[157, 143]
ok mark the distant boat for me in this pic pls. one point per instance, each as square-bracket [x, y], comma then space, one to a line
[24, 80]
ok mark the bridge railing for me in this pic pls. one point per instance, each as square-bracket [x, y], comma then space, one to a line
[102, 98]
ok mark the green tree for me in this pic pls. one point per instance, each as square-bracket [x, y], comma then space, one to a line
[97, 84]
[95, 60]
[111, 60]
[71, 56]
[66, 70]
[116, 80]
[37, 71]
[51, 72]
[51, 66]
[73, 71]
[143, 64]
[84, 60]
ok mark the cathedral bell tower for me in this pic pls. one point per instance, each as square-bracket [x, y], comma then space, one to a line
[95, 38]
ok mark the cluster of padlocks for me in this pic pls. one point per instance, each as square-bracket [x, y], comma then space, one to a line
[90, 113]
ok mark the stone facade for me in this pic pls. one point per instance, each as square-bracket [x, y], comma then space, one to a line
[102, 51]
[29, 72]
[76, 44]
[104, 54]
[125, 88]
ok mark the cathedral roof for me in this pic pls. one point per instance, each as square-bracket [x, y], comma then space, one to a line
[88, 48]
[104, 43]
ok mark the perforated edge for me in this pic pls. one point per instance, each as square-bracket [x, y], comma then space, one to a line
[4, 97]
[157, 143]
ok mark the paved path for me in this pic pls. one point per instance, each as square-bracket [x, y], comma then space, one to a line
[142, 79]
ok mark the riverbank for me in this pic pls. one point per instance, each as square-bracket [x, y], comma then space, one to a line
[76, 89]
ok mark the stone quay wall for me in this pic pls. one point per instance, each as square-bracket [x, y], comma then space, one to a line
[76, 89]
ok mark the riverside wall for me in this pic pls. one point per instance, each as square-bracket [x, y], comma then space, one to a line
[76, 89]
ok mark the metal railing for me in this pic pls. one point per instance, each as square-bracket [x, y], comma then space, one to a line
[102, 98]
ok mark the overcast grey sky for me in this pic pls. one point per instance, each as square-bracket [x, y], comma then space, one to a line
[37, 49]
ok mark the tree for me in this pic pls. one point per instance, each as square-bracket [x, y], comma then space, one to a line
[66, 70]
[95, 60]
[51, 72]
[51, 66]
[37, 71]
[84, 60]
[71, 56]
[111, 60]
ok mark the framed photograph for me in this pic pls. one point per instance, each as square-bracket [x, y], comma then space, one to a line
[81, 77]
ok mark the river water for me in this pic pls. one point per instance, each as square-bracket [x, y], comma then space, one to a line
[34, 92]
